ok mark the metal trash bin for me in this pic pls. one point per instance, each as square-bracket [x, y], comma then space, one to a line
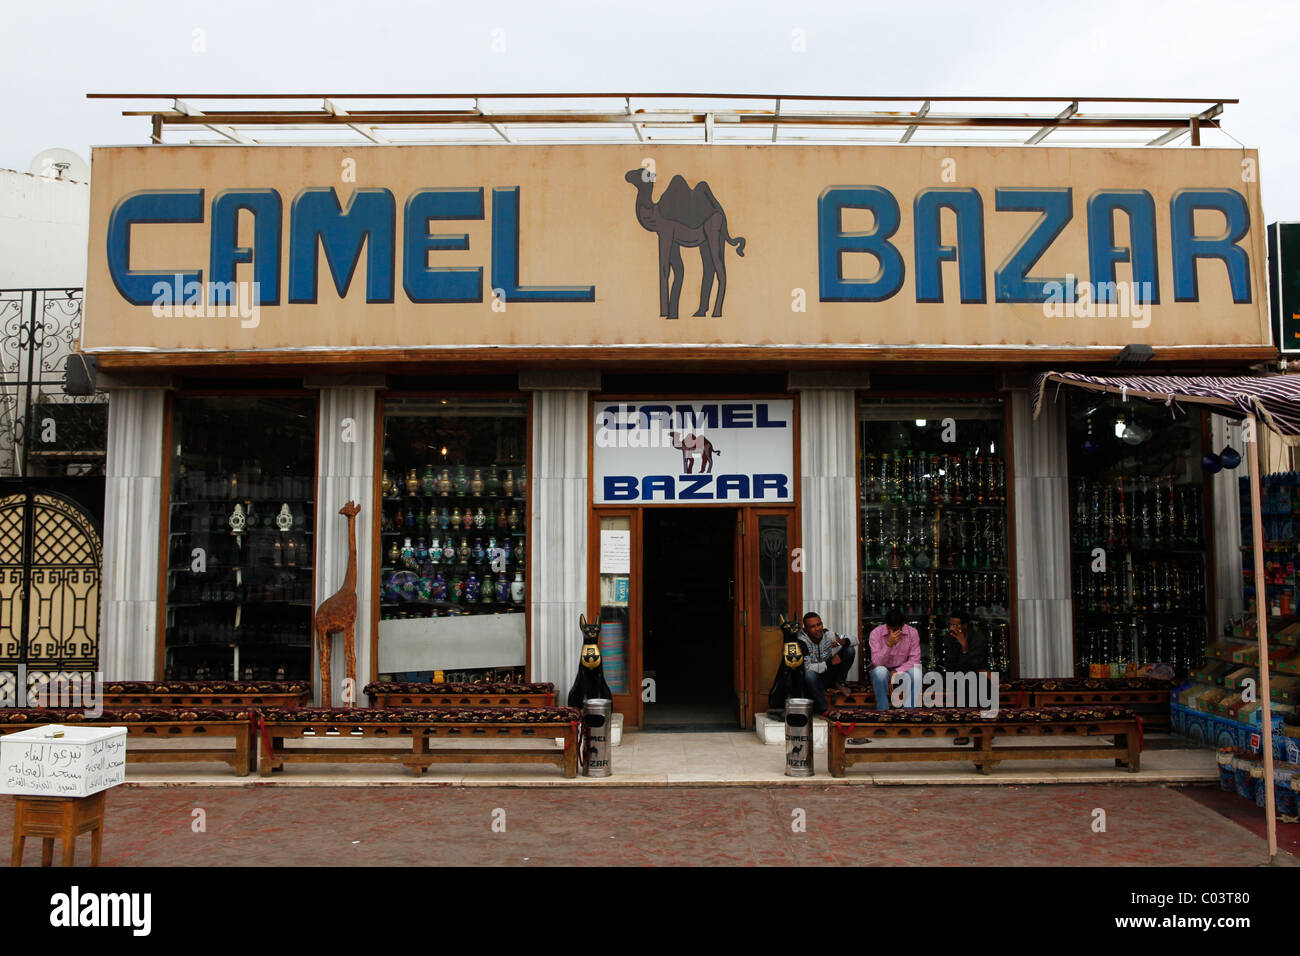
[799, 737]
[596, 714]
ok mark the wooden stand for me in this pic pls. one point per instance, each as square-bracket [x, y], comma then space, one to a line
[64, 818]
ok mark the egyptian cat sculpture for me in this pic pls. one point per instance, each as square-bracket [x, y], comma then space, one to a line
[590, 682]
[789, 680]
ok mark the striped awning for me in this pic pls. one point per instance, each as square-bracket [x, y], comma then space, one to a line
[1273, 399]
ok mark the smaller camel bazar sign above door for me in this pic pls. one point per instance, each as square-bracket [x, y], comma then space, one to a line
[667, 451]
[786, 246]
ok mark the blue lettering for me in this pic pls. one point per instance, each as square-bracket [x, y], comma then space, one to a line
[268, 212]
[425, 283]
[661, 483]
[662, 412]
[968, 207]
[689, 487]
[1011, 282]
[737, 483]
[154, 205]
[610, 418]
[1138, 205]
[833, 242]
[370, 220]
[764, 421]
[1188, 247]
[620, 488]
[737, 416]
[505, 257]
[774, 483]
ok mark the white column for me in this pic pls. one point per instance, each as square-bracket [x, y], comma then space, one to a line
[128, 635]
[1044, 610]
[345, 472]
[557, 554]
[828, 497]
[1226, 517]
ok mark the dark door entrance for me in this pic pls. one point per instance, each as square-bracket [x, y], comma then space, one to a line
[688, 617]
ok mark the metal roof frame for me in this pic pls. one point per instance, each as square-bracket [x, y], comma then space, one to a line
[380, 119]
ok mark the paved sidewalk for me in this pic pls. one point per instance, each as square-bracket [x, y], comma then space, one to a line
[705, 826]
[718, 759]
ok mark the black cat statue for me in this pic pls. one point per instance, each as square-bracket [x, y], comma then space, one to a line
[590, 682]
[790, 675]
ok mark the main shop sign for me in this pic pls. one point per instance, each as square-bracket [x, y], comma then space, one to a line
[714, 451]
[274, 248]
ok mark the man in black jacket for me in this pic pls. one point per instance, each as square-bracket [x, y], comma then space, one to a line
[966, 647]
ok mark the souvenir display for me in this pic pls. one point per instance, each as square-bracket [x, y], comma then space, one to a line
[1137, 530]
[240, 574]
[455, 518]
[933, 505]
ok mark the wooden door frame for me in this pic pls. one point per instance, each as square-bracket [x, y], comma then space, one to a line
[757, 700]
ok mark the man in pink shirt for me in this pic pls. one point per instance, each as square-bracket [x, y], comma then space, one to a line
[895, 656]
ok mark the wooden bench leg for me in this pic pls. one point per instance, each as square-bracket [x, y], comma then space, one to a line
[570, 765]
[16, 859]
[243, 754]
[983, 745]
[265, 758]
[69, 848]
[47, 851]
[96, 844]
[835, 755]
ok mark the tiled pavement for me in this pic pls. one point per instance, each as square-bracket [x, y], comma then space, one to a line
[737, 825]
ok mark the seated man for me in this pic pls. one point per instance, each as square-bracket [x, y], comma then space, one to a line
[966, 647]
[827, 658]
[895, 656]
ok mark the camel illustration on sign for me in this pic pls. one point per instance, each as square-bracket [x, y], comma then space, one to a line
[692, 446]
[685, 217]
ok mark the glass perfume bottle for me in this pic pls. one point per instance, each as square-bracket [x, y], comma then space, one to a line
[517, 588]
[412, 482]
[476, 483]
[444, 482]
[428, 484]
[480, 519]
[462, 480]
[444, 519]
[508, 483]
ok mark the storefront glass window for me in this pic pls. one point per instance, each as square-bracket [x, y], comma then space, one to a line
[1137, 527]
[933, 519]
[454, 536]
[240, 547]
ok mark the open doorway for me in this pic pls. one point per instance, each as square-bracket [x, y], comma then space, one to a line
[688, 617]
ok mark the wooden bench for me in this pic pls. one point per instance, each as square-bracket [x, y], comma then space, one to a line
[1146, 696]
[1077, 725]
[394, 694]
[542, 725]
[157, 723]
[206, 693]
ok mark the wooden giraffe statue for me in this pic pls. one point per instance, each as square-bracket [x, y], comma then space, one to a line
[338, 612]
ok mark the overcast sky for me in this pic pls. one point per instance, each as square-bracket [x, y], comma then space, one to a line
[1246, 49]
